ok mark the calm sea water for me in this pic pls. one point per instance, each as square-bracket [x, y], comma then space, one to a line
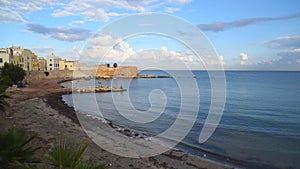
[260, 125]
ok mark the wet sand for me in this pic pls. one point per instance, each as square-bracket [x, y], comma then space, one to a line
[39, 109]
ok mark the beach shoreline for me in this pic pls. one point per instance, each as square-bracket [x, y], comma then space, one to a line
[39, 108]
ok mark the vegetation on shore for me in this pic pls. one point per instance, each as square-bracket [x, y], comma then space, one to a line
[17, 152]
[16, 147]
[12, 73]
[9, 74]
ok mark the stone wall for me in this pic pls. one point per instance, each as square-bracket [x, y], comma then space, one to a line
[38, 75]
[120, 71]
[100, 71]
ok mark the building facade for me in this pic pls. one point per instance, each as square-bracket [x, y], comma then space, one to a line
[5, 56]
[29, 61]
[67, 65]
[16, 56]
[34, 62]
[52, 62]
[42, 64]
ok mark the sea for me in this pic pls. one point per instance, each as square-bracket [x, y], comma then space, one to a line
[259, 125]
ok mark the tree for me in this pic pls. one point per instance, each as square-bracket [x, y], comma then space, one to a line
[115, 65]
[14, 73]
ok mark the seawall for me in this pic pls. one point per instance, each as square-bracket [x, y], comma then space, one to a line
[58, 74]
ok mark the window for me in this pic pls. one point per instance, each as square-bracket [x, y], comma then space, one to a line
[50, 68]
[50, 60]
[50, 64]
[1, 60]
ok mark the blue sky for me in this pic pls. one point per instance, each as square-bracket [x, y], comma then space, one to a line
[248, 34]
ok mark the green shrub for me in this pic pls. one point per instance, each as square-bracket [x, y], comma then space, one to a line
[14, 147]
[16, 153]
[67, 156]
[13, 72]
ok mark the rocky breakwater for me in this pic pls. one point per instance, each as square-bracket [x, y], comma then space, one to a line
[97, 89]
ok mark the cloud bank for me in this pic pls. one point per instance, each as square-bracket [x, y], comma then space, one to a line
[222, 26]
[15, 11]
[60, 33]
[284, 42]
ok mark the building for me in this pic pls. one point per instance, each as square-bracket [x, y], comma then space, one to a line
[67, 65]
[29, 61]
[5, 56]
[42, 64]
[16, 55]
[52, 62]
[27, 57]
[34, 62]
[24, 58]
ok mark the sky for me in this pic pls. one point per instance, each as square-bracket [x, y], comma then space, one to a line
[248, 34]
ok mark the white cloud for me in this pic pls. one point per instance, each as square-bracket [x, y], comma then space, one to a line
[97, 14]
[10, 16]
[164, 50]
[74, 48]
[179, 1]
[77, 22]
[243, 58]
[16, 10]
[93, 10]
[221, 58]
[104, 48]
[96, 10]
[171, 10]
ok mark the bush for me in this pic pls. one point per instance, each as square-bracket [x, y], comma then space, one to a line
[66, 156]
[14, 73]
[14, 147]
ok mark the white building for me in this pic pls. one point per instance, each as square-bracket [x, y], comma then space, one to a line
[53, 62]
[5, 56]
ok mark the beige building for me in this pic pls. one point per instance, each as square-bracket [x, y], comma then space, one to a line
[5, 56]
[29, 61]
[42, 64]
[24, 58]
[16, 56]
[34, 62]
[67, 65]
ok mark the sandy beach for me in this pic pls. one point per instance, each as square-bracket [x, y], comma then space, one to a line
[39, 109]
